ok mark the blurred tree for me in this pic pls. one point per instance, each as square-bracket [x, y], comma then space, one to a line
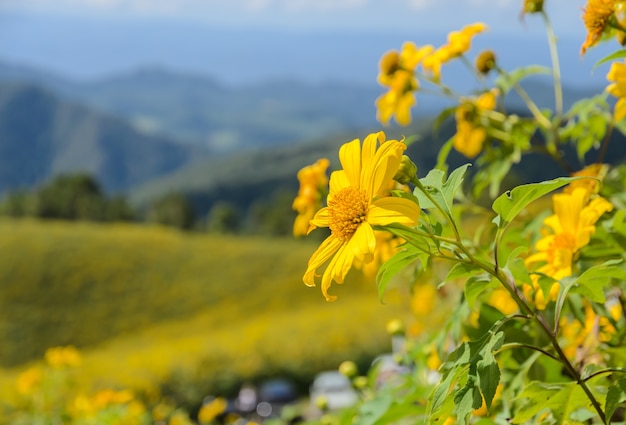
[174, 210]
[223, 218]
[272, 217]
[18, 204]
[118, 209]
[70, 197]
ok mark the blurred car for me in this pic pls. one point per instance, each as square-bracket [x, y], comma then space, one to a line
[334, 389]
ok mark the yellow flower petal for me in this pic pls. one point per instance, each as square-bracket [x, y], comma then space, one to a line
[350, 158]
[326, 250]
[389, 210]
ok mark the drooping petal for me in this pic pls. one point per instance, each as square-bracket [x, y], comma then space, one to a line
[320, 219]
[390, 209]
[336, 270]
[326, 250]
[350, 158]
[363, 242]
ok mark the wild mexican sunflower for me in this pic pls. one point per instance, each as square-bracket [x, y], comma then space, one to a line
[597, 17]
[313, 182]
[357, 201]
[397, 71]
[470, 134]
[617, 74]
[571, 225]
[459, 42]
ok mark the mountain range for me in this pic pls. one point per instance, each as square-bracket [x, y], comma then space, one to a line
[153, 131]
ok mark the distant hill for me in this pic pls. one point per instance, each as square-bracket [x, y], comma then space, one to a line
[198, 110]
[42, 135]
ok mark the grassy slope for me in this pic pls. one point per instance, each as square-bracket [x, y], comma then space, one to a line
[144, 301]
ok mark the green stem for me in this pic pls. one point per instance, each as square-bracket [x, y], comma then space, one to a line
[603, 371]
[556, 68]
[532, 347]
[530, 104]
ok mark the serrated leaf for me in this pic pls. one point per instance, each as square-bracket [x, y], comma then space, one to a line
[467, 399]
[441, 190]
[561, 399]
[488, 369]
[512, 202]
[592, 281]
[507, 81]
[617, 55]
[614, 397]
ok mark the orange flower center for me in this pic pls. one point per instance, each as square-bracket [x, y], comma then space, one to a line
[347, 210]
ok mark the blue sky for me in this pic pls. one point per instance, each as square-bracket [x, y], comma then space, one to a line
[242, 40]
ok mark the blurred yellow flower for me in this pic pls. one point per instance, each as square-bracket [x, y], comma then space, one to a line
[470, 134]
[459, 42]
[356, 202]
[397, 71]
[28, 380]
[107, 397]
[211, 410]
[571, 228]
[502, 300]
[617, 74]
[386, 246]
[423, 299]
[313, 186]
[592, 186]
[63, 356]
[597, 16]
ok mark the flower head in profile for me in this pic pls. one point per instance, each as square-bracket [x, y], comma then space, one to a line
[459, 42]
[397, 72]
[313, 186]
[470, 134]
[598, 17]
[617, 75]
[357, 201]
[570, 229]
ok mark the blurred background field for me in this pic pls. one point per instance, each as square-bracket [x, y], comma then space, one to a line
[153, 300]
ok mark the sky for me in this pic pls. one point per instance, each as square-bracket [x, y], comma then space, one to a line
[242, 40]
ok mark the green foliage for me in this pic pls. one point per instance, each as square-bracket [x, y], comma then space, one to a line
[173, 210]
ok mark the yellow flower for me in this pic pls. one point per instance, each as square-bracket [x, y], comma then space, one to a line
[398, 100]
[617, 74]
[211, 410]
[470, 134]
[502, 300]
[386, 246]
[63, 356]
[313, 182]
[597, 16]
[357, 202]
[397, 71]
[571, 228]
[459, 42]
[592, 186]
[28, 380]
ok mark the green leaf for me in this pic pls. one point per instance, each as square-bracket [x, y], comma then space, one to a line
[506, 81]
[617, 55]
[476, 285]
[614, 397]
[467, 398]
[442, 191]
[561, 399]
[488, 369]
[371, 411]
[591, 282]
[401, 259]
[512, 202]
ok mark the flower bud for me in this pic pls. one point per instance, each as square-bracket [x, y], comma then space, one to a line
[485, 61]
[360, 382]
[533, 6]
[395, 327]
[348, 368]
[406, 172]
